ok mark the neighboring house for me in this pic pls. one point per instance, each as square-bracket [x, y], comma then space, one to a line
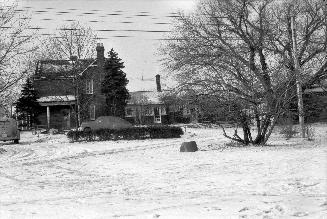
[147, 107]
[315, 102]
[70, 90]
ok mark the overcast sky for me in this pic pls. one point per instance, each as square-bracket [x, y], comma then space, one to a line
[138, 25]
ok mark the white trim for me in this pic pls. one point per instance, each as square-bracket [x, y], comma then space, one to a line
[157, 118]
[48, 117]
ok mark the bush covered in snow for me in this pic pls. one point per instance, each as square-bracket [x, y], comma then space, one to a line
[127, 133]
[288, 131]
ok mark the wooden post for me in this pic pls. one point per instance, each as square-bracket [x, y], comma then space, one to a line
[48, 116]
[68, 121]
[297, 75]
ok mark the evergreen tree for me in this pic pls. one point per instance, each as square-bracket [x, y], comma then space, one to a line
[114, 85]
[27, 106]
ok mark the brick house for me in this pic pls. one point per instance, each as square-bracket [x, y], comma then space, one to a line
[70, 90]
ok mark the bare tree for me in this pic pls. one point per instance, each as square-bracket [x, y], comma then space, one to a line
[17, 47]
[70, 40]
[240, 51]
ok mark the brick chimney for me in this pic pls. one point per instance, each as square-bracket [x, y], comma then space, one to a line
[100, 54]
[158, 83]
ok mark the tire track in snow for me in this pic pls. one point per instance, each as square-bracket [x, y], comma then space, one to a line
[104, 153]
[3, 175]
[69, 198]
[16, 156]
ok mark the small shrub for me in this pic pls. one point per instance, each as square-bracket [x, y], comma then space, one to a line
[80, 135]
[153, 132]
[234, 144]
[309, 132]
[288, 131]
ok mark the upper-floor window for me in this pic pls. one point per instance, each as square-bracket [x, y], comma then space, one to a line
[89, 86]
[92, 112]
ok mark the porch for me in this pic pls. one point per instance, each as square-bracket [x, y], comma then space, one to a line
[58, 112]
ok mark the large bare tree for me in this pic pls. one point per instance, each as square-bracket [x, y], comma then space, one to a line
[17, 47]
[240, 51]
[71, 39]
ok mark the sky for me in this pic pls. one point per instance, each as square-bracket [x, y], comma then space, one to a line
[133, 28]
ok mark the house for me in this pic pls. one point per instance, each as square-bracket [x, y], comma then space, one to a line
[148, 107]
[315, 102]
[69, 90]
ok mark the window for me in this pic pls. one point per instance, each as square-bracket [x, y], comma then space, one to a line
[157, 115]
[89, 86]
[163, 110]
[129, 112]
[92, 112]
[186, 111]
[148, 111]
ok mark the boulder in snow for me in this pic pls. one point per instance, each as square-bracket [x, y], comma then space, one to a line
[189, 147]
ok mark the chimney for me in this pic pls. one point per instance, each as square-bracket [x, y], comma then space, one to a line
[100, 54]
[158, 83]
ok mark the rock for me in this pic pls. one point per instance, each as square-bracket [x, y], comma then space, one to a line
[189, 147]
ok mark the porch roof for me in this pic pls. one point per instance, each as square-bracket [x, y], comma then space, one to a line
[57, 100]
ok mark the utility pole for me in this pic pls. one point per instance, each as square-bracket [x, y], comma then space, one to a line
[76, 84]
[297, 69]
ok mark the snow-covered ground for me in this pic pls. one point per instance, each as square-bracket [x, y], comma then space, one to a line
[49, 177]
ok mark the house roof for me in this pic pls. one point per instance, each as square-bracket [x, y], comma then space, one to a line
[65, 68]
[145, 97]
[137, 84]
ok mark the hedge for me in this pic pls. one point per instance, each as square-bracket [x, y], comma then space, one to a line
[153, 132]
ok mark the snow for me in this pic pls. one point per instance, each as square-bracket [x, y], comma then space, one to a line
[46, 176]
